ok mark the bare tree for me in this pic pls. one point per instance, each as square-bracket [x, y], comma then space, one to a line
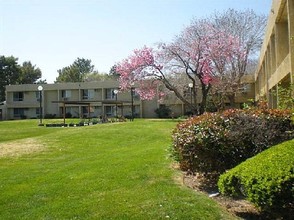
[249, 28]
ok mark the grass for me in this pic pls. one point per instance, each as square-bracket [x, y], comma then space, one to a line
[106, 171]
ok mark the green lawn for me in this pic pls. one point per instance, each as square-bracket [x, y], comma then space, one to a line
[105, 171]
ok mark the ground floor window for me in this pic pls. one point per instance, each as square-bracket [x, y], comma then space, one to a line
[109, 110]
[38, 111]
[19, 112]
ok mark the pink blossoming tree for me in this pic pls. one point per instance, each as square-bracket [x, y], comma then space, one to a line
[201, 57]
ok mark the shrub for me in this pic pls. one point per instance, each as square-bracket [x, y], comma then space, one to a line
[50, 116]
[163, 111]
[68, 115]
[23, 117]
[215, 142]
[266, 179]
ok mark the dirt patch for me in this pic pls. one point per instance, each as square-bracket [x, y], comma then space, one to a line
[238, 207]
[20, 147]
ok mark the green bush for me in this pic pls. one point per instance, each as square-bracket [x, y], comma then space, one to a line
[215, 142]
[163, 111]
[50, 116]
[267, 180]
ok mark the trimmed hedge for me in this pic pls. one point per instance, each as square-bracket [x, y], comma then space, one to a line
[267, 180]
[215, 142]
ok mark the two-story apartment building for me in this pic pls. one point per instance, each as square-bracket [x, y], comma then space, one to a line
[92, 99]
[88, 99]
[276, 62]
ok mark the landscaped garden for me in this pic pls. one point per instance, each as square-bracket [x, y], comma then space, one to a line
[106, 171]
[243, 154]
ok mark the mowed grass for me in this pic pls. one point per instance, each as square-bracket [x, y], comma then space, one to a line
[106, 171]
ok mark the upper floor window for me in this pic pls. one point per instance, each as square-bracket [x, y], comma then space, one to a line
[88, 93]
[38, 96]
[109, 94]
[65, 94]
[247, 88]
[18, 96]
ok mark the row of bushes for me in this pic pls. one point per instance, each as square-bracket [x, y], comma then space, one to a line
[215, 142]
[70, 124]
[267, 180]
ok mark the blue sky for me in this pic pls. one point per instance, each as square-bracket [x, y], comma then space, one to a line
[53, 33]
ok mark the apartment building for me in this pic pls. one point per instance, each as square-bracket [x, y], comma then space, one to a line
[93, 99]
[88, 99]
[276, 62]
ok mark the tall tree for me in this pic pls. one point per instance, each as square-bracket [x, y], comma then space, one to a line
[113, 71]
[29, 73]
[84, 65]
[96, 76]
[9, 73]
[249, 28]
[12, 73]
[76, 72]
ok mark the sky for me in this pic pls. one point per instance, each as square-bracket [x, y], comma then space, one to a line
[52, 34]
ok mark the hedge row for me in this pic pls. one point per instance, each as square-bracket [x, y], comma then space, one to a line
[267, 180]
[215, 142]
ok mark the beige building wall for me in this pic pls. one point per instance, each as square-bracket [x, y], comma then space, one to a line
[276, 62]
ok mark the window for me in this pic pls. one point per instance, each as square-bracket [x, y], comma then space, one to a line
[88, 93]
[18, 96]
[37, 111]
[65, 94]
[109, 110]
[38, 96]
[247, 88]
[18, 112]
[110, 94]
[85, 109]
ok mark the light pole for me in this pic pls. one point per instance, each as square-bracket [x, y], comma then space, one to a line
[40, 89]
[115, 93]
[132, 96]
[191, 88]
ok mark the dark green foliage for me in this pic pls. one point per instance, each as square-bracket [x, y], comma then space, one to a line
[285, 97]
[267, 179]
[50, 116]
[68, 115]
[9, 73]
[163, 111]
[29, 73]
[13, 73]
[23, 117]
[76, 72]
[216, 142]
[113, 71]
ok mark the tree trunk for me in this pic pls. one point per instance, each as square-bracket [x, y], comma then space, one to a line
[232, 100]
[205, 90]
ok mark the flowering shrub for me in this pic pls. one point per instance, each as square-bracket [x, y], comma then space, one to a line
[215, 142]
